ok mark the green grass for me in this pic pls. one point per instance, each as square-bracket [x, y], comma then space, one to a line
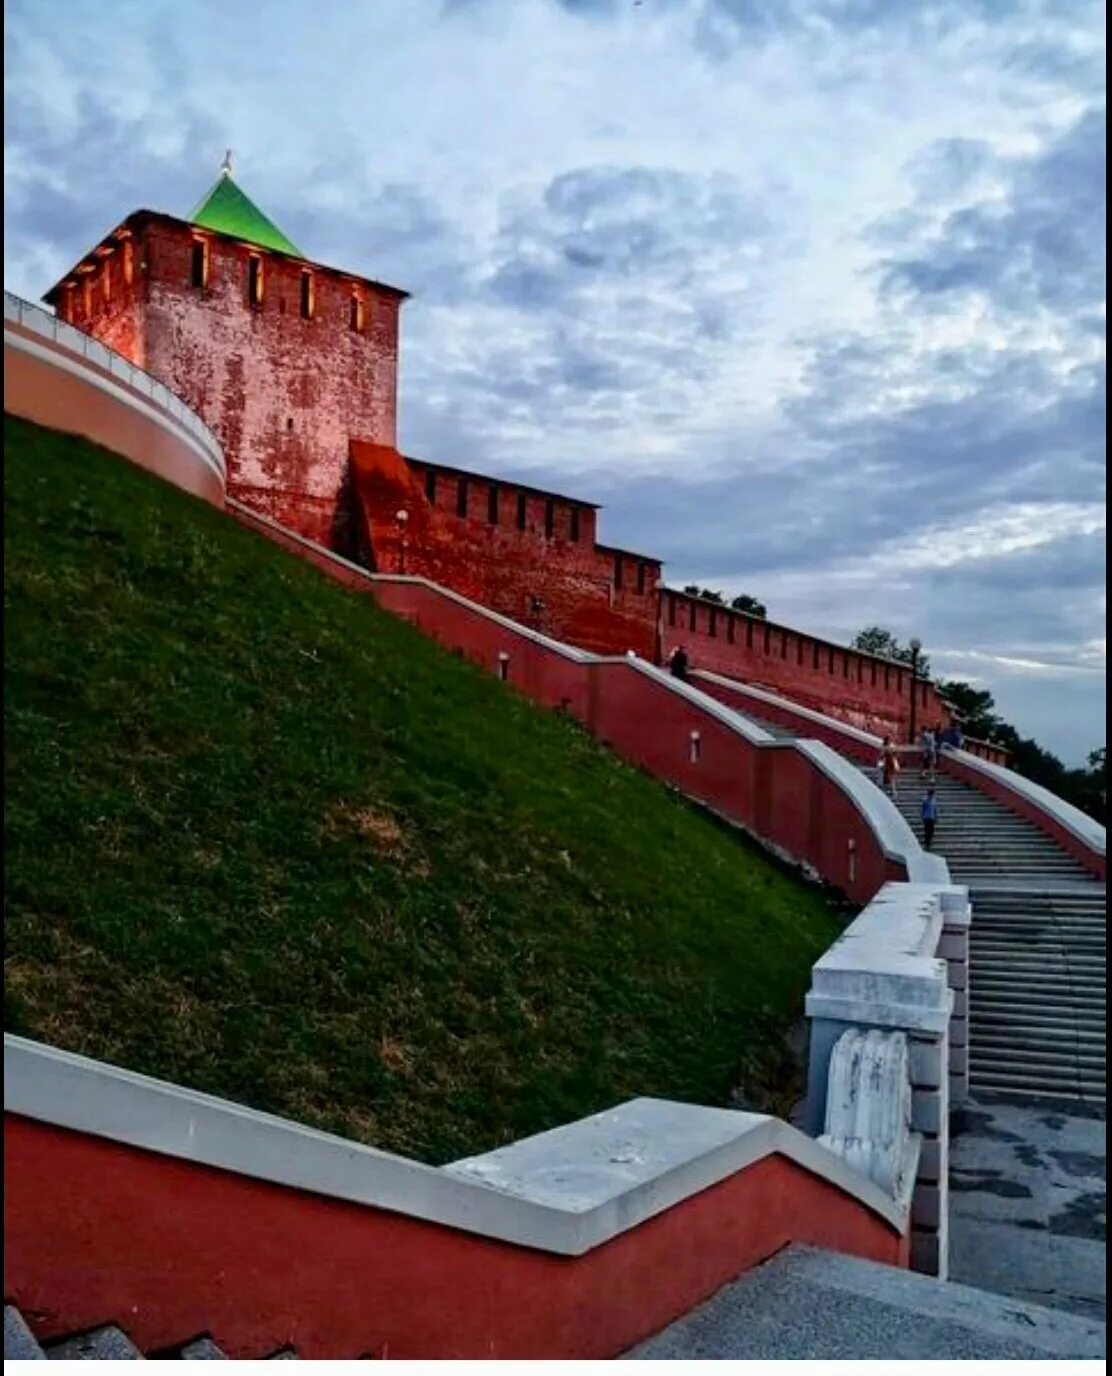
[269, 842]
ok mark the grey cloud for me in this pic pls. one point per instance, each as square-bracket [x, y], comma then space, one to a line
[83, 179]
[946, 167]
[1030, 251]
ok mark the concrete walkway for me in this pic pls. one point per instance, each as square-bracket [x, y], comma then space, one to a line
[1027, 1203]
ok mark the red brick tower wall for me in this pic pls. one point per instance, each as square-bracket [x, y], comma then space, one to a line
[282, 392]
[108, 299]
[508, 547]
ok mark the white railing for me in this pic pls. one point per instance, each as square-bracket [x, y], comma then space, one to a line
[39, 321]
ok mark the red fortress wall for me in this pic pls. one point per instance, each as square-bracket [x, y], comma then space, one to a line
[294, 366]
[864, 690]
[527, 554]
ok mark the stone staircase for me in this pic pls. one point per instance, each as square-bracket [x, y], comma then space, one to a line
[981, 839]
[1037, 946]
[106, 1344]
[1037, 1002]
[805, 1304]
[1037, 979]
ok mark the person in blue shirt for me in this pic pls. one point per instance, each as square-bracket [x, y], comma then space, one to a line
[929, 813]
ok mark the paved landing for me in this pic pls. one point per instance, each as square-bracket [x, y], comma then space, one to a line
[811, 1305]
[1028, 1203]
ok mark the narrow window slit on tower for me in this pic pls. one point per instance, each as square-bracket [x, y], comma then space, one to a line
[522, 510]
[199, 275]
[355, 315]
[549, 519]
[254, 281]
[492, 504]
[640, 577]
[695, 747]
[617, 570]
[306, 296]
[461, 498]
[430, 485]
[575, 523]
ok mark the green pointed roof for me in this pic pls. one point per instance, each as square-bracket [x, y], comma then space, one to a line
[228, 211]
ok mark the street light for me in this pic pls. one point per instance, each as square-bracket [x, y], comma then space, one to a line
[915, 647]
[402, 518]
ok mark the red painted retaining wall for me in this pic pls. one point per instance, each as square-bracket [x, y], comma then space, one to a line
[1093, 861]
[774, 791]
[96, 1232]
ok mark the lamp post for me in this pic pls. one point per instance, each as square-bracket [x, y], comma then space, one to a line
[402, 518]
[914, 647]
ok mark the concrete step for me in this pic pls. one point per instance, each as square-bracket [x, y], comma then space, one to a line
[1065, 961]
[106, 1344]
[990, 993]
[982, 1054]
[1025, 1041]
[1054, 1086]
[1053, 982]
[1004, 1015]
[202, 1350]
[991, 988]
[19, 1342]
[1085, 960]
[811, 1305]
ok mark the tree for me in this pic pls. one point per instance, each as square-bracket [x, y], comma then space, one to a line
[744, 603]
[876, 640]
[973, 707]
[704, 594]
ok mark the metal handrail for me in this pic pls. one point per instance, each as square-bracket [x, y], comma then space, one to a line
[41, 321]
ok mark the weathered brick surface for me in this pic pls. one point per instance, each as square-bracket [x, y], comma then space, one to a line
[108, 299]
[283, 393]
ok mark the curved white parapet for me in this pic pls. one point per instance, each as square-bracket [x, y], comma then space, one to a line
[1071, 819]
[740, 726]
[117, 395]
[868, 1108]
[566, 1191]
[852, 733]
[891, 829]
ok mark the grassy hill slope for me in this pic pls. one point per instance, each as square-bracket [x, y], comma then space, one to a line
[267, 841]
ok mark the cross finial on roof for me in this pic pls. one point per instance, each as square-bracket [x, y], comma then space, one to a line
[226, 165]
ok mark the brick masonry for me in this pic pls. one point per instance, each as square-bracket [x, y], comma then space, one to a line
[284, 391]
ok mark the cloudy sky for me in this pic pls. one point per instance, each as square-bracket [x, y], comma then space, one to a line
[808, 293]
